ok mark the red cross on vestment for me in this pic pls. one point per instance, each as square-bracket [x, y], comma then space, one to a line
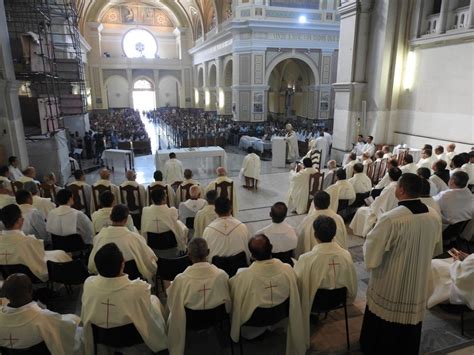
[108, 304]
[271, 287]
[204, 290]
[11, 340]
[333, 264]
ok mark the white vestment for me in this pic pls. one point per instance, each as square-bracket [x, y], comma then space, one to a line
[141, 195]
[349, 168]
[18, 248]
[23, 179]
[341, 190]
[426, 163]
[7, 184]
[87, 193]
[117, 301]
[369, 148]
[15, 173]
[326, 266]
[430, 202]
[383, 182]
[203, 218]
[227, 236]
[189, 208]
[397, 253]
[267, 284]
[359, 148]
[113, 188]
[439, 183]
[30, 325]
[6, 200]
[133, 247]
[409, 168]
[469, 169]
[322, 145]
[173, 171]
[44, 205]
[456, 205]
[65, 220]
[366, 217]
[200, 286]
[329, 178]
[298, 193]
[292, 147]
[181, 196]
[282, 236]
[212, 186]
[34, 222]
[251, 166]
[361, 183]
[160, 219]
[101, 219]
[449, 157]
[305, 231]
[169, 191]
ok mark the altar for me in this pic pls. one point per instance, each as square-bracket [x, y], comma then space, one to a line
[118, 158]
[186, 154]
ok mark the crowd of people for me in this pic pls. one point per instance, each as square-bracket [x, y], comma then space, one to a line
[401, 214]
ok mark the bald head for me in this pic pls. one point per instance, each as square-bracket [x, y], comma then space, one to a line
[332, 164]
[260, 247]
[104, 174]
[131, 175]
[18, 289]
[195, 192]
[221, 171]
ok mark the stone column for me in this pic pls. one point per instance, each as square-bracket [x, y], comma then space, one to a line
[471, 15]
[156, 79]
[443, 17]
[12, 135]
[98, 90]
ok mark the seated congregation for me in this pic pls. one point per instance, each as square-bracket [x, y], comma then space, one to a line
[157, 262]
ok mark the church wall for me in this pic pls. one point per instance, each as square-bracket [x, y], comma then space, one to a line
[117, 92]
[168, 89]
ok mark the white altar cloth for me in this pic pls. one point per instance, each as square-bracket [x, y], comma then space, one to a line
[162, 156]
[118, 158]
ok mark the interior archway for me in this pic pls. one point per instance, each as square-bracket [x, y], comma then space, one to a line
[212, 76]
[144, 98]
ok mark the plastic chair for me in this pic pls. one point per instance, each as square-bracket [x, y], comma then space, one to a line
[326, 301]
[38, 349]
[117, 337]
[453, 232]
[230, 264]
[284, 257]
[169, 268]
[67, 273]
[7, 270]
[131, 269]
[208, 318]
[69, 243]
[190, 222]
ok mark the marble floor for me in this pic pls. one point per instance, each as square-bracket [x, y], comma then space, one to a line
[440, 330]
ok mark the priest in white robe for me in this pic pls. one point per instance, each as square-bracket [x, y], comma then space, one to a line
[23, 323]
[101, 218]
[305, 230]
[111, 300]
[440, 177]
[366, 217]
[187, 210]
[206, 215]
[14, 168]
[201, 286]
[349, 166]
[80, 180]
[188, 181]
[170, 194]
[44, 205]
[326, 266]
[427, 160]
[469, 168]
[222, 177]
[330, 176]
[359, 146]
[398, 254]
[451, 280]
[159, 218]
[132, 245]
[292, 150]
[408, 165]
[341, 190]
[33, 221]
[65, 220]
[251, 167]
[322, 144]
[140, 198]
[298, 193]
[314, 154]
[5, 178]
[104, 180]
[6, 197]
[226, 236]
[385, 181]
[360, 181]
[29, 175]
[450, 153]
[173, 170]
[18, 248]
[369, 146]
[266, 283]
[280, 233]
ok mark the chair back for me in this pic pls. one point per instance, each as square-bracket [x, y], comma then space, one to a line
[131, 269]
[230, 264]
[205, 318]
[371, 171]
[69, 243]
[328, 300]
[79, 196]
[315, 184]
[68, 273]
[162, 241]
[190, 222]
[402, 153]
[117, 337]
[380, 170]
[284, 257]
[7, 270]
[17, 185]
[225, 189]
[169, 268]
[158, 187]
[131, 194]
[184, 192]
[264, 317]
[48, 191]
[342, 205]
[96, 192]
[316, 159]
[454, 230]
[38, 349]
[360, 199]
[175, 185]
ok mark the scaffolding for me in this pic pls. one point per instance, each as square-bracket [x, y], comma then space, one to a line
[47, 57]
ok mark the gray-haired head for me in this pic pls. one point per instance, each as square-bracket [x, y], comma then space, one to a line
[198, 251]
[31, 187]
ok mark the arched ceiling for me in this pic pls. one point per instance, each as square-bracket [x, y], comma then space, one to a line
[201, 16]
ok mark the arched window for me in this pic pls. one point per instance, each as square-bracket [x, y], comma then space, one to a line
[142, 84]
[138, 43]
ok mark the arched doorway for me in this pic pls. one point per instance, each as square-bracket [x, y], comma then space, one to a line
[199, 90]
[144, 98]
[291, 89]
[227, 90]
[211, 97]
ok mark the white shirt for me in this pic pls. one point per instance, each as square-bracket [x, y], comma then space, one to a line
[34, 222]
[44, 205]
[173, 171]
[281, 235]
[361, 183]
[15, 173]
[409, 168]
[65, 220]
[455, 205]
[369, 148]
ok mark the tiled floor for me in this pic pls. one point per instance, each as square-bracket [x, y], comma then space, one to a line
[440, 330]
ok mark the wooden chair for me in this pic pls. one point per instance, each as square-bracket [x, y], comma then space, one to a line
[79, 195]
[184, 192]
[226, 189]
[315, 184]
[175, 185]
[158, 187]
[48, 191]
[96, 192]
[401, 156]
[381, 171]
[316, 159]
[370, 171]
[131, 194]
[16, 185]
